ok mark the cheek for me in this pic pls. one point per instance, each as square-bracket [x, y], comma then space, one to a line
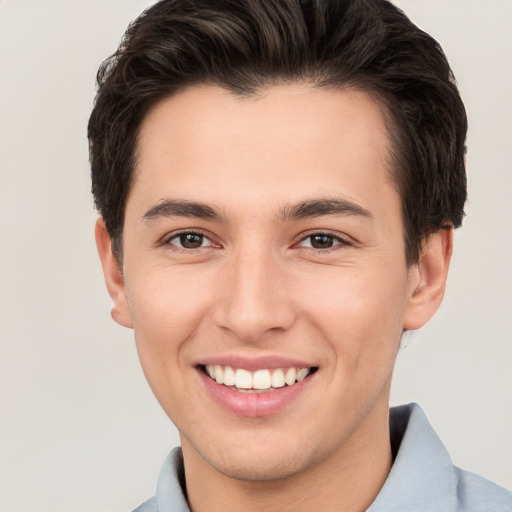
[165, 303]
[166, 312]
[361, 316]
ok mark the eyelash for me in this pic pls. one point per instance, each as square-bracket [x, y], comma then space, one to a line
[167, 241]
[336, 240]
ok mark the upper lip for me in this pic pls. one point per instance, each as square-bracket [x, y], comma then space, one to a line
[255, 363]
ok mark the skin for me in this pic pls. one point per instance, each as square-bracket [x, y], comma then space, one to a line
[256, 287]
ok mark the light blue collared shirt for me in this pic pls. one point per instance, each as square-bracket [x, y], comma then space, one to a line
[422, 479]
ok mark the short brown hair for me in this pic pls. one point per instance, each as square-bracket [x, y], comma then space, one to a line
[245, 45]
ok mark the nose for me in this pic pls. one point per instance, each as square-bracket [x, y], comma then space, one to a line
[254, 299]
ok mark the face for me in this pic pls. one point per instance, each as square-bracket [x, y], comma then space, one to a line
[264, 274]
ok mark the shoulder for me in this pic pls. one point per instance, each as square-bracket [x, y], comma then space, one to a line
[424, 478]
[476, 494]
[148, 506]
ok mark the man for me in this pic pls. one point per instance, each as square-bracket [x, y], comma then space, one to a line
[278, 184]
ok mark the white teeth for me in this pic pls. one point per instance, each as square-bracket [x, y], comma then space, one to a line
[302, 373]
[290, 376]
[210, 370]
[278, 378]
[259, 380]
[219, 374]
[229, 376]
[243, 379]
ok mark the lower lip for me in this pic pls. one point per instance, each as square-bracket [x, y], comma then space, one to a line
[253, 404]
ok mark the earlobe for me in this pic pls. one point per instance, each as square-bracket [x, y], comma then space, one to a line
[428, 279]
[113, 275]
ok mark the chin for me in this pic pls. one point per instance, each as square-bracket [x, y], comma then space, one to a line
[259, 460]
[258, 469]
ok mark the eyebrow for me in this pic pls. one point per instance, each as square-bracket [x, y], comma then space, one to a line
[320, 207]
[305, 209]
[177, 208]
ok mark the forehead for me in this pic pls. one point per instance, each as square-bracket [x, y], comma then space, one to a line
[280, 145]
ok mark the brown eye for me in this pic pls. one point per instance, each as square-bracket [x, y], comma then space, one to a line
[321, 241]
[190, 240]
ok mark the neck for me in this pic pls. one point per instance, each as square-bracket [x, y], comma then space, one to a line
[347, 481]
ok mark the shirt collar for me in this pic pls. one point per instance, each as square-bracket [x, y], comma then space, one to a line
[170, 494]
[422, 477]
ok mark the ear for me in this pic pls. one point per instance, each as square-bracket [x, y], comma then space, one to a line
[427, 279]
[113, 275]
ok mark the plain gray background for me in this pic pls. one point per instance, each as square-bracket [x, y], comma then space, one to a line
[79, 427]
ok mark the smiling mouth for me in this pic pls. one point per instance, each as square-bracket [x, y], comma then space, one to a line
[259, 381]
